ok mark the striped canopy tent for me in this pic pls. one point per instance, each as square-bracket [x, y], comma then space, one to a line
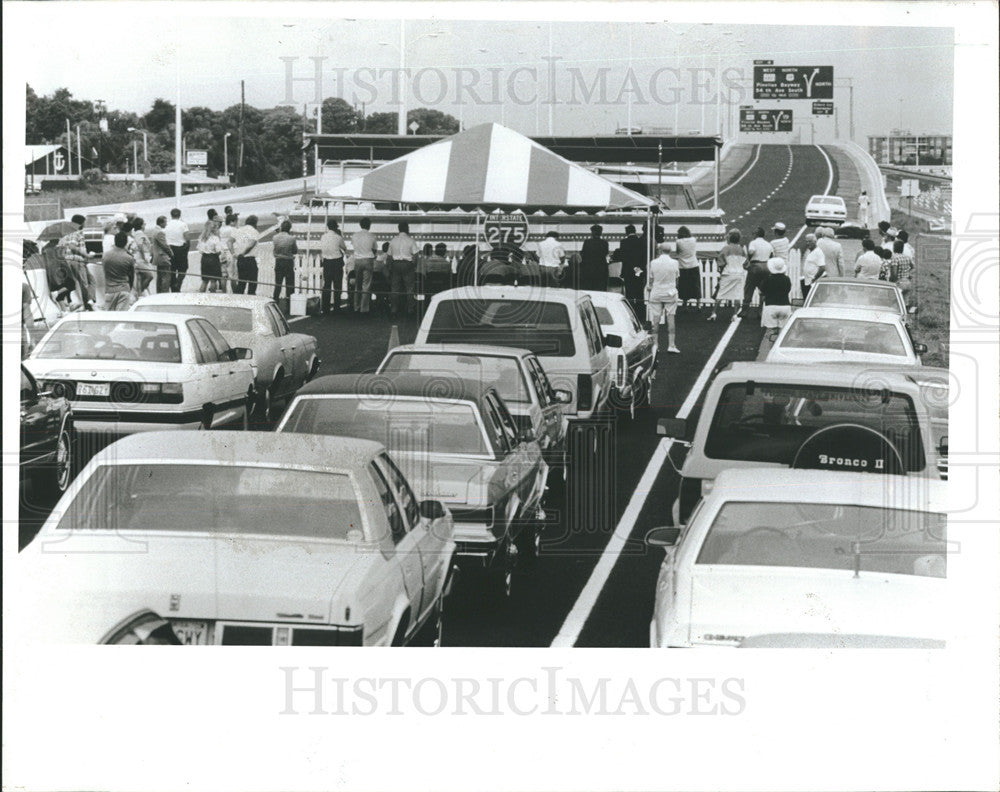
[490, 167]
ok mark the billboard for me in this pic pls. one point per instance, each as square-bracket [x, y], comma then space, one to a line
[822, 108]
[196, 157]
[793, 82]
[756, 120]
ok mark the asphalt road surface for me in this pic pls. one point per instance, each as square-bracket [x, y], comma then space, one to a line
[546, 604]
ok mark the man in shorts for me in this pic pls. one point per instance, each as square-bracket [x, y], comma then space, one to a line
[661, 293]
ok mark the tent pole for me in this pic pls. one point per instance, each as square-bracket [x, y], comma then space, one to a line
[715, 191]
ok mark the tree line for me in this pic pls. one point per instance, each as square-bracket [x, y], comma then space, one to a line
[272, 138]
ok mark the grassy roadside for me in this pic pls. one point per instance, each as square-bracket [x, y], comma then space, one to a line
[932, 283]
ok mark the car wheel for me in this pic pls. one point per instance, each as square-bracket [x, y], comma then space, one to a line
[53, 480]
[207, 416]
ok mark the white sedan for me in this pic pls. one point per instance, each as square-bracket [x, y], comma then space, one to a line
[239, 539]
[633, 364]
[825, 335]
[807, 552]
[826, 210]
[136, 371]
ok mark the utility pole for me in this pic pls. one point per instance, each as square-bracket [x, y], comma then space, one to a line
[239, 158]
[69, 149]
[79, 155]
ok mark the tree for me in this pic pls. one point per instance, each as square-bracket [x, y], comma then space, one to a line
[47, 115]
[381, 123]
[339, 116]
[432, 122]
[161, 114]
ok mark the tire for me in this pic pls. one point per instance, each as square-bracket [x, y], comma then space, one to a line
[53, 480]
[207, 416]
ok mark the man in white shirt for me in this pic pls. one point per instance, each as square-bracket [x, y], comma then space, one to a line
[333, 249]
[780, 244]
[661, 293]
[813, 265]
[244, 244]
[759, 252]
[863, 203]
[179, 247]
[869, 264]
[551, 256]
[832, 251]
[403, 251]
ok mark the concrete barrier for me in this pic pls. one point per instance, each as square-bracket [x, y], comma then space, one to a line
[871, 178]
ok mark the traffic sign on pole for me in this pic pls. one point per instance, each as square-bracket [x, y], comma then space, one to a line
[793, 82]
[822, 108]
[756, 120]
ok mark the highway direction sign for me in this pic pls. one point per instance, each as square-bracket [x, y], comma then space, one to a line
[822, 108]
[793, 82]
[755, 120]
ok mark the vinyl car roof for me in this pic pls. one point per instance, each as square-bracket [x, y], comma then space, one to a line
[828, 374]
[341, 454]
[383, 386]
[203, 298]
[876, 315]
[486, 350]
[495, 292]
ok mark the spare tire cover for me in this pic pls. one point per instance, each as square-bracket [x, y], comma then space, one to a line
[851, 447]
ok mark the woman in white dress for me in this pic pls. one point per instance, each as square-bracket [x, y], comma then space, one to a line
[732, 264]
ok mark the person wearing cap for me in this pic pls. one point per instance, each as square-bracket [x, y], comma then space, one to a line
[759, 252]
[869, 264]
[634, 259]
[813, 265]
[780, 244]
[833, 252]
[775, 290]
[594, 261]
[662, 295]
[73, 249]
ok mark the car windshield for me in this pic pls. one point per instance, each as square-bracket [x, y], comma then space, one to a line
[222, 499]
[112, 339]
[419, 426]
[502, 373]
[843, 335]
[828, 536]
[226, 318]
[542, 327]
[847, 294]
[760, 422]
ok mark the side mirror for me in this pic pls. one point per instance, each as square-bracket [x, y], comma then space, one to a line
[671, 427]
[663, 537]
[240, 353]
[431, 510]
[920, 349]
[613, 341]
[564, 396]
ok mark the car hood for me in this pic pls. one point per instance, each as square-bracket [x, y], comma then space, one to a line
[453, 481]
[729, 603]
[77, 595]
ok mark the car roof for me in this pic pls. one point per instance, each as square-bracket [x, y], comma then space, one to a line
[333, 453]
[497, 292]
[204, 298]
[790, 485]
[874, 315]
[486, 350]
[825, 373]
[126, 316]
[869, 284]
[385, 386]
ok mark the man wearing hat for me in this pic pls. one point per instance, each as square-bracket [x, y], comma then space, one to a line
[661, 293]
[833, 251]
[775, 290]
[594, 261]
[780, 244]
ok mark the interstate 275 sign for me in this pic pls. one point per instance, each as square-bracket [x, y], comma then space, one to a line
[792, 82]
[506, 229]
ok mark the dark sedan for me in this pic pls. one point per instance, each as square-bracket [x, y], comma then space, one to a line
[46, 438]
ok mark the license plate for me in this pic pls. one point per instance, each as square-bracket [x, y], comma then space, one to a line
[93, 389]
[191, 633]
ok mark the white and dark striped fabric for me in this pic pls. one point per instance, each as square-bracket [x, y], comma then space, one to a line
[489, 167]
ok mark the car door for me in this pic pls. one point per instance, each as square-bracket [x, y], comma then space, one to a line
[552, 423]
[517, 472]
[39, 422]
[238, 376]
[599, 363]
[212, 375]
[643, 344]
[407, 551]
[289, 347]
[431, 545]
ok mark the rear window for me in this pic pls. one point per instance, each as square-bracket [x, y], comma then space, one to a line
[502, 373]
[828, 536]
[112, 339]
[843, 335]
[771, 421]
[847, 294]
[823, 199]
[542, 327]
[225, 317]
[230, 499]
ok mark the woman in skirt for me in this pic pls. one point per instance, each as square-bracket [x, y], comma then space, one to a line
[211, 248]
[775, 290]
[689, 282]
[732, 265]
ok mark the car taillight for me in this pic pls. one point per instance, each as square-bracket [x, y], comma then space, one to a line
[163, 392]
[584, 391]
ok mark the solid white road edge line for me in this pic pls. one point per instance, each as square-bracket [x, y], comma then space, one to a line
[577, 617]
[826, 191]
[730, 186]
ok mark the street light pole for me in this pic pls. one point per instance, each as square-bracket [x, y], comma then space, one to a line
[401, 121]
[225, 152]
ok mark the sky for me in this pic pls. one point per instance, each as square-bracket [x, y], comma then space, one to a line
[902, 76]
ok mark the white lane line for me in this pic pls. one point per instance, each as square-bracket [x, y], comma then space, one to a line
[826, 191]
[577, 617]
[743, 175]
